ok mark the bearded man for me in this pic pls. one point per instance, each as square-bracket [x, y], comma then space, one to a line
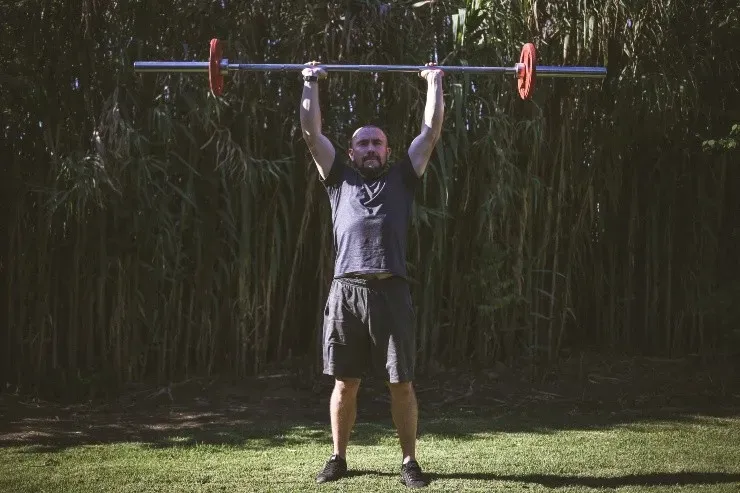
[369, 321]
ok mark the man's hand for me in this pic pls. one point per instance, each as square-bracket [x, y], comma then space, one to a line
[432, 73]
[313, 68]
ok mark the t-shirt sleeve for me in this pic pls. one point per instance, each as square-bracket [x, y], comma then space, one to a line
[335, 173]
[410, 178]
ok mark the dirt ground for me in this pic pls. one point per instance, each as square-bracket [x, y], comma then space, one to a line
[210, 410]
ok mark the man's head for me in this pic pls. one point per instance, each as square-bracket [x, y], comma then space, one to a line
[369, 151]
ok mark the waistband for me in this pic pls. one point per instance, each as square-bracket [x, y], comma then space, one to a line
[369, 282]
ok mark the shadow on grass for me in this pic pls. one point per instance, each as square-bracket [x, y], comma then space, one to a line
[246, 431]
[552, 420]
[276, 413]
[352, 473]
[254, 430]
[555, 481]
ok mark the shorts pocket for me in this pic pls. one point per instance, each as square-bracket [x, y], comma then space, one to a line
[335, 332]
[344, 355]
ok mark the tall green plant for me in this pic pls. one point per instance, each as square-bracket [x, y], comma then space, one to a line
[157, 231]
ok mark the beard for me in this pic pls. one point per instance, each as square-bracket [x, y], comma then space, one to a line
[372, 173]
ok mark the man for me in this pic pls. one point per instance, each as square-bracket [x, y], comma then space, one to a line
[369, 319]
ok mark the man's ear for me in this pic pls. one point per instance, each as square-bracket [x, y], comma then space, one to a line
[388, 154]
[351, 153]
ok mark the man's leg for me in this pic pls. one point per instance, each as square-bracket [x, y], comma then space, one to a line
[405, 414]
[343, 411]
[345, 346]
[392, 324]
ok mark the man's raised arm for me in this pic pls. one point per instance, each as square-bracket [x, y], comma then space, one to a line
[431, 126]
[321, 148]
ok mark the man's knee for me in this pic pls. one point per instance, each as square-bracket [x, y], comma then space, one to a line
[347, 386]
[401, 390]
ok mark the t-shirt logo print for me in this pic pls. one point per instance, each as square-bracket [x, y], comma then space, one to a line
[371, 195]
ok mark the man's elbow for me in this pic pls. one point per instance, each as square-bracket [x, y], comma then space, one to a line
[432, 134]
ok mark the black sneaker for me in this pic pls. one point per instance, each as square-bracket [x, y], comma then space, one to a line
[412, 476]
[335, 468]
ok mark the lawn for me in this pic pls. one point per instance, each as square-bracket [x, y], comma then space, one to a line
[473, 436]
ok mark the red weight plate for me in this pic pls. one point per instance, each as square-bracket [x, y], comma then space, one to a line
[215, 77]
[528, 75]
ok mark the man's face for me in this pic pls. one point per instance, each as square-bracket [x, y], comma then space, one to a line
[369, 149]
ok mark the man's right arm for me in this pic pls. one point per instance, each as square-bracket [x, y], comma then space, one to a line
[321, 147]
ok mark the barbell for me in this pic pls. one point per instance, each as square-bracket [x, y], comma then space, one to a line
[526, 70]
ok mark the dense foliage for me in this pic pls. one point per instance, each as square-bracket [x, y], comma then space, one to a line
[153, 230]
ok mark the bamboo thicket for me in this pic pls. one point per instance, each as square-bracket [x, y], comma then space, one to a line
[156, 231]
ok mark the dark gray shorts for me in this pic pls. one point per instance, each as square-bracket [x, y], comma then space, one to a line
[369, 326]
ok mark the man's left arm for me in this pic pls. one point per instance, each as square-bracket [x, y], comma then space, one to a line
[431, 126]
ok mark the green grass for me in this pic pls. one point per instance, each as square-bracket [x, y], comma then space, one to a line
[466, 453]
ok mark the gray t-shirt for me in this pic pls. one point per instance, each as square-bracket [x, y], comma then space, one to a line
[370, 217]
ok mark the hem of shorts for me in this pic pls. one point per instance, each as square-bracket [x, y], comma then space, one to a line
[332, 372]
[401, 379]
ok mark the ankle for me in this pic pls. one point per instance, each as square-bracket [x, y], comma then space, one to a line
[408, 459]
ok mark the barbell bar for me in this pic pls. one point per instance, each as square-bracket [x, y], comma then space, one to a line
[526, 70]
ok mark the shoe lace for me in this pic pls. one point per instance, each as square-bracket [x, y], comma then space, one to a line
[334, 464]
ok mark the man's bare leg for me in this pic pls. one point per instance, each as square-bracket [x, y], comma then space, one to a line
[343, 411]
[405, 416]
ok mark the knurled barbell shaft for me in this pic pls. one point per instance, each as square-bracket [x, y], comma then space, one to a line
[202, 67]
